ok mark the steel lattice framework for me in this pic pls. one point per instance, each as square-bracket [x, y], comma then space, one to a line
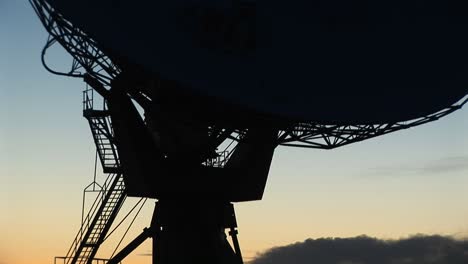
[89, 59]
[99, 68]
[313, 135]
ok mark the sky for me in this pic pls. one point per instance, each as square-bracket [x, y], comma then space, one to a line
[410, 182]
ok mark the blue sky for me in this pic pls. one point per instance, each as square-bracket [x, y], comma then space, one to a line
[412, 181]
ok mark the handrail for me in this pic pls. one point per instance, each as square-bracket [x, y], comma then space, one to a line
[92, 213]
[95, 260]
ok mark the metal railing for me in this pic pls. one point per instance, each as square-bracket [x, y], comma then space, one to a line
[64, 260]
[86, 223]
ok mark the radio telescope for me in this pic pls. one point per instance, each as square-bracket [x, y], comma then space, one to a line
[222, 83]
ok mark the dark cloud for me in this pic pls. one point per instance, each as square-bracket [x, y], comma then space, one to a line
[366, 250]
[443, 165]
[448, 164]
[146, 254]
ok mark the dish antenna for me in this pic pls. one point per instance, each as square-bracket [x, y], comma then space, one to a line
[221, 84]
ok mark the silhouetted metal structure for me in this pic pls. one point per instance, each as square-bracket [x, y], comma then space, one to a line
[220, 84]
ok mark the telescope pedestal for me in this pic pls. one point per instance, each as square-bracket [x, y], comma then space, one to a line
[193, 232]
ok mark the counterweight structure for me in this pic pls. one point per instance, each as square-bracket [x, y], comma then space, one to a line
[196, 153]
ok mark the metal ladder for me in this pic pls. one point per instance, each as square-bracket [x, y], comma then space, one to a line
[103, 135]
[97, 223]
[99, 122]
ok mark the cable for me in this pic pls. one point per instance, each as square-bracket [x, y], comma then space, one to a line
[115, 228]
[49, 43]
[120, 242]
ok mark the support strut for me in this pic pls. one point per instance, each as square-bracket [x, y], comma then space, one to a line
[130, 247]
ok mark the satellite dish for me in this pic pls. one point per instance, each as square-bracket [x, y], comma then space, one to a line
[244, 77]
[334, 61]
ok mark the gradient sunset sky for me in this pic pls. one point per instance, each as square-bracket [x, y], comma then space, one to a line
[409, 182]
